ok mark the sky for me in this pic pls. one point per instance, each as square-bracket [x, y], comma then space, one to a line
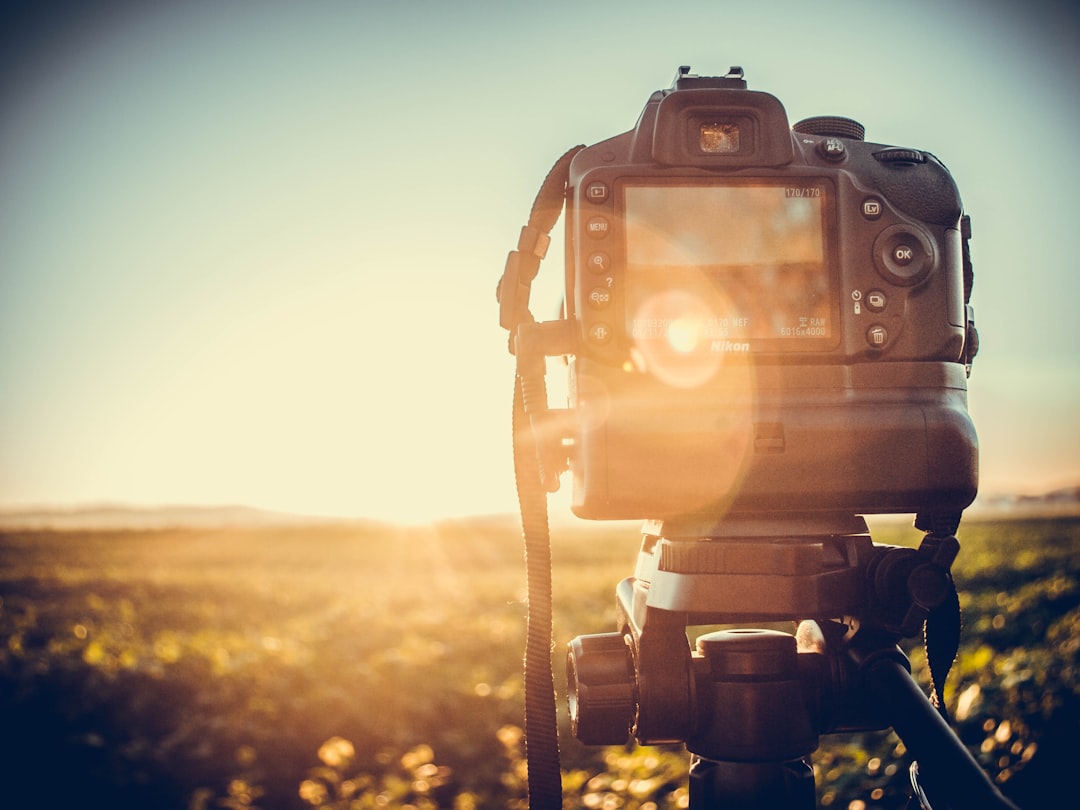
[248, 250]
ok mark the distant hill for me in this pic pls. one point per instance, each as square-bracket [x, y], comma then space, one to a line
[119, 516]
[1060, 502]
[1065, 501]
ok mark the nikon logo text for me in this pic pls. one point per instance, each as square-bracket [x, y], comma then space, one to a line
[729, 346]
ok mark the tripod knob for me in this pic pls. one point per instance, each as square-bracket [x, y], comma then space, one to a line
[907, 585]
[600, 688]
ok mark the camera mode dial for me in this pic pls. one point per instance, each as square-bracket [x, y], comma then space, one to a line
[831, 126]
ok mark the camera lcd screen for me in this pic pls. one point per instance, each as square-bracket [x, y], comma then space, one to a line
[731, 267]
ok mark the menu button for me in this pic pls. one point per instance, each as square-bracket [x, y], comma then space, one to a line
[598, 227]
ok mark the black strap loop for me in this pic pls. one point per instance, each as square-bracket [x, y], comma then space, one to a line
[523, 264]
[534, 242]
[941, 638]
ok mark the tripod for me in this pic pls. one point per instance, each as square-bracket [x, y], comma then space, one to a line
[750, 704]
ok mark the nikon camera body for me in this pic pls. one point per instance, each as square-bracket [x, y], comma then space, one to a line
[768, 320]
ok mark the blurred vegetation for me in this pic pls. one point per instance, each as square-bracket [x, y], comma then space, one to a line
[370, 666]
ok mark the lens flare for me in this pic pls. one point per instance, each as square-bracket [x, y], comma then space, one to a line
[677, 337]
[683, 335]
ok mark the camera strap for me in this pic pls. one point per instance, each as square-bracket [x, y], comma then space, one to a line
[523, 264]
[534, 478]
[941, 641]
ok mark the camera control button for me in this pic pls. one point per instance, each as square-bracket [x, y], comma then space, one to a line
[877, 336]
[599, 262]
[832, 149]
[597, 192]
[600, 333]
[876, 301]
[872, 208]
[598, 227]
[898, 155]
[599, 297]
[904, 255]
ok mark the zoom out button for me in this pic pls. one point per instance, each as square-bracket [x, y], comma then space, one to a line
[599, 297]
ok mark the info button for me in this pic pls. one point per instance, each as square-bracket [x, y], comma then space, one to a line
[599, 297]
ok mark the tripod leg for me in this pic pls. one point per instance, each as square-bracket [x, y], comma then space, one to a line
[948, 768]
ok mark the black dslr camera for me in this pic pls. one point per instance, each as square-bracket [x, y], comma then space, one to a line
[765, 319]
[769, 335]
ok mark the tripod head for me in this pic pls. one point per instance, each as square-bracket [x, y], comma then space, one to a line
[750, 703]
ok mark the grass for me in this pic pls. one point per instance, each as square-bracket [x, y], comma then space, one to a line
[373, 666]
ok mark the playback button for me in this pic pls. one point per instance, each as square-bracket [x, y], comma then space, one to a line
[597, 192]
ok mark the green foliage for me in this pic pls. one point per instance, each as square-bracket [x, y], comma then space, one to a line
[369, 666]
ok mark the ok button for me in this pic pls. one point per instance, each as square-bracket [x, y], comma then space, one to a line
[903, 255]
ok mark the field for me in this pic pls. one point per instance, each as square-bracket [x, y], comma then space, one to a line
[373, 666]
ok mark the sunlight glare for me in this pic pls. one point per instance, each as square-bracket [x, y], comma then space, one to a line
[684, 334]
[673, 335]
